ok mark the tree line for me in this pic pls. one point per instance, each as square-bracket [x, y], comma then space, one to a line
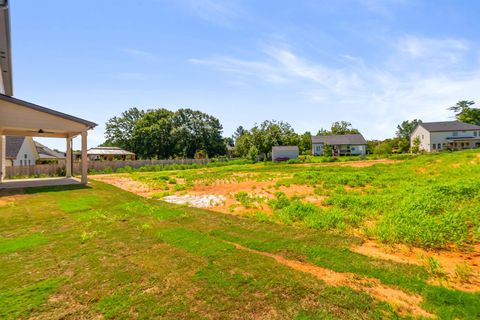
[186, 133]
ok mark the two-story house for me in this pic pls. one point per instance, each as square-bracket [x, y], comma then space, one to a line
[446, 135]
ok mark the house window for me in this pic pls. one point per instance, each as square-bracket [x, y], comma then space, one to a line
[475, 133]
[352, 148]
[467, 144]
[455, 133]
[434, 146]
[25, 156]
[439, 146]
[422, 136]
[28, 161]
[21, 162]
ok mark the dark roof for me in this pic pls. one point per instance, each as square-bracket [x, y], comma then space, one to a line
[448, 126]
[13, 145]
[5, 49]
[45, 152]
[338, 139]
[285, 148]
[26, 104]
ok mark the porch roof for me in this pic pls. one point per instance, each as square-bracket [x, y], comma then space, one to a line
[22, 118]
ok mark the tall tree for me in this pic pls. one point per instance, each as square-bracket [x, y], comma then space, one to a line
[195, 130]
[118, 130]
[343, 127]
[152, 135]
[404, 131]
[465, 113]
[305, 143]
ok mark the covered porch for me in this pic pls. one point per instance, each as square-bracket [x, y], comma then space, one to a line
[462, 143]
[21, 118]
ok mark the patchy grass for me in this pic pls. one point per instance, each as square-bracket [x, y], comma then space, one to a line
[21, 243]
[19, 302]
[428, 201]
[122, 256]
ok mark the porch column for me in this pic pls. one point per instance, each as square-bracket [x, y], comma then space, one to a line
[3, 152]
[68, 162]
[84, 158]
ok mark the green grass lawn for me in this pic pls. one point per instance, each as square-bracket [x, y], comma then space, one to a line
[69, 252]
[429, 201]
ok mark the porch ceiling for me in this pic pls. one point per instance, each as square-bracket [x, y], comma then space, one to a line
[21, 118]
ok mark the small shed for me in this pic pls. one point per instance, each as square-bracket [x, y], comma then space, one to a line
[284, 153]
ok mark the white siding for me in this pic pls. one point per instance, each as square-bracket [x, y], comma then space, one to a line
[432, 140]
[26, 155]
[424, 136]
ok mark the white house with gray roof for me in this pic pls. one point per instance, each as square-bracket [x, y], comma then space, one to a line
[446, 135]
[341, 144]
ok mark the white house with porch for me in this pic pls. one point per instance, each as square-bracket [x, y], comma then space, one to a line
[341, 144]
[446, 135]
[22, 118]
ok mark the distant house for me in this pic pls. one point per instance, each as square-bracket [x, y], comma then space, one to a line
[20, 151]
[446, 135]
[24, 151]
[347, 144]
[283, 153]
[109, 153]
[46, 155]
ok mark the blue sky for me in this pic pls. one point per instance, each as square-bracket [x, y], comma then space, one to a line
[373, 63]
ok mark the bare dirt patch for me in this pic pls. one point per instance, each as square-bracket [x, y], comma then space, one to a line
[126, 183]
[450, 262]
[9, 196]
[355, 164]
[403, 302]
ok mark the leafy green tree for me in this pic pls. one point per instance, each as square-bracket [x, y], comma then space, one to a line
[195, 130]
[243, 144]
[305, 143]
[416, 145]
[384, 147]
[152, 135]
[272, 133]
[327, 150]
[343, 127]
[404, 130]
[119, 130]
[338, 127]
[253, 153]
[465, 113]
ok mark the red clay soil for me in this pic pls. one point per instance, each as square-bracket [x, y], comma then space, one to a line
[448, 260]
[402, 302]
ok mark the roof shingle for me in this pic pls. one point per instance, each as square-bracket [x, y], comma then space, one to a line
[339, 139]
[448, 126]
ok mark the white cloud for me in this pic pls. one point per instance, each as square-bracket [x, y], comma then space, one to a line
[446, 51]
[374, 97]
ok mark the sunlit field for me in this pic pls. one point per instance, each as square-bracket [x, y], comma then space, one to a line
[359, 240]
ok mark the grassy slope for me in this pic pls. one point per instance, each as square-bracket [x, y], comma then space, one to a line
[100, 250]
[430, 201]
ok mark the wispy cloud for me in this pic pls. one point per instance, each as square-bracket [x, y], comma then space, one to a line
[376, 96]
[447, 50]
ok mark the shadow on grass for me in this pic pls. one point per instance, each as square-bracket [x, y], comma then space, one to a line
[34, 190]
